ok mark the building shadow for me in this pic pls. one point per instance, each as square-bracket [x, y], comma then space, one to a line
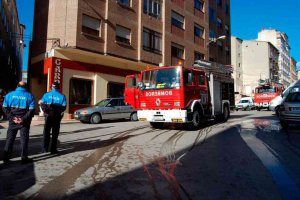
[219, 167]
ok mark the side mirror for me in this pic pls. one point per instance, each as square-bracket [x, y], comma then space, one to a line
[141, 85]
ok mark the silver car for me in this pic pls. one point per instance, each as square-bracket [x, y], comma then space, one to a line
[111, 108]
[290, 110]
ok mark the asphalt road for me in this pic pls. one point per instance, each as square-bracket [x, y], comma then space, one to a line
[248, 157]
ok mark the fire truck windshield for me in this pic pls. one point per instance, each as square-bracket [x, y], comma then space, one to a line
[162, 78]
[265, 90]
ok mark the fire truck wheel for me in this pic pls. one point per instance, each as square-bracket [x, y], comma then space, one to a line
[226, 114]
[157, 125]
[95, 118]
[196, 120]
[133, 117]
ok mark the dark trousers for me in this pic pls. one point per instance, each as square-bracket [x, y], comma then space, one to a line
[51, 122]
[11, 136]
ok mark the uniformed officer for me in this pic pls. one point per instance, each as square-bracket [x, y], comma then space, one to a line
[53, 104]
[18, 106]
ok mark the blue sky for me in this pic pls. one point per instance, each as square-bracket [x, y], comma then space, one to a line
[26, 11]
[247, 19]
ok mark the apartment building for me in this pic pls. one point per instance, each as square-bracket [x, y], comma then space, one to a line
[280, 41]
[293, 70]
[90, 46]
[237, 62]
[11, 45]
[219, 27]
[259, 62]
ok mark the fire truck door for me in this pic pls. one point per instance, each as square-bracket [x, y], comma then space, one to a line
[131, 90]
[189, 86]
[201, 87]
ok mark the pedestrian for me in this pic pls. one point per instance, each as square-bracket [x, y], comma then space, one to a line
[53, 104]
[18, 106]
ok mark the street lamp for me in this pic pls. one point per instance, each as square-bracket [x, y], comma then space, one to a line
[222, 37]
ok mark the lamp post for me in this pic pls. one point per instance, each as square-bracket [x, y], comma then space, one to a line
[214, 40]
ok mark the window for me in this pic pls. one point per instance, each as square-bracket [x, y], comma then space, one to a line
[220, 45]
[152, 7]
[198, 4]
[219, 2]
[90, 25]
[122, 34]
[198, 56]
[151, 40]
[212, 15]
[201, 79]
[80, 91]
[177, 51]
[198, 30]
[227, 50]
[188, 77]
[177, 20]
[212, 34]
[124, 2]
[115, 89]
[227, 29]
[227, 9]
[219, 22]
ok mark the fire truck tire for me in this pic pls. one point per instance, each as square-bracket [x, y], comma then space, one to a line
[226, 114]
[157, 125]
[95, 118]
[133, 117]
[196, 120]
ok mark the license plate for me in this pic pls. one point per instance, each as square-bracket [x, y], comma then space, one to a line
[158, 118]
[76, 116]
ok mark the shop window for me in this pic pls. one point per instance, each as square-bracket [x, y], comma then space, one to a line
[123, 34]
[115, 90]
[151, 41]
[80, 91]
[90, 25]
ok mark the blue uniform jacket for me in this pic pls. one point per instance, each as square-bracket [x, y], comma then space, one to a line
[19, 103]
[53, 103]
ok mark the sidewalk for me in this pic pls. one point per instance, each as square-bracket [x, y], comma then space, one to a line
[37, 120]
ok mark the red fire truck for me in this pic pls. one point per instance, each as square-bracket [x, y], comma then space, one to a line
[177, 94]
[264, 94]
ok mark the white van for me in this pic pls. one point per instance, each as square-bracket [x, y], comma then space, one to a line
[246, 103]
[275, 103]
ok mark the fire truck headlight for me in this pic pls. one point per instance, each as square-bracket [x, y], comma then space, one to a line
[176, 103]
[143, 104]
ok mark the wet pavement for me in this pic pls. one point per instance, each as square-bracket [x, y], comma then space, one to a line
[249, 157]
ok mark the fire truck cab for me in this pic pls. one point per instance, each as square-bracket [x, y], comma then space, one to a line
[177, 94]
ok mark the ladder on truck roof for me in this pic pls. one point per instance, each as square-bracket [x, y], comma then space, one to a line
[220, 72]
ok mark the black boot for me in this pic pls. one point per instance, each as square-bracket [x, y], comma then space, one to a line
[6, 157]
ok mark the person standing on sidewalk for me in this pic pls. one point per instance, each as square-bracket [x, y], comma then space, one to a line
[18, 106]
[53, 104]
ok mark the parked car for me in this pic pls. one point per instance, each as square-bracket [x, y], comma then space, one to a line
[289, 112]
[276, 102]
[246, 103]
[111, 108]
